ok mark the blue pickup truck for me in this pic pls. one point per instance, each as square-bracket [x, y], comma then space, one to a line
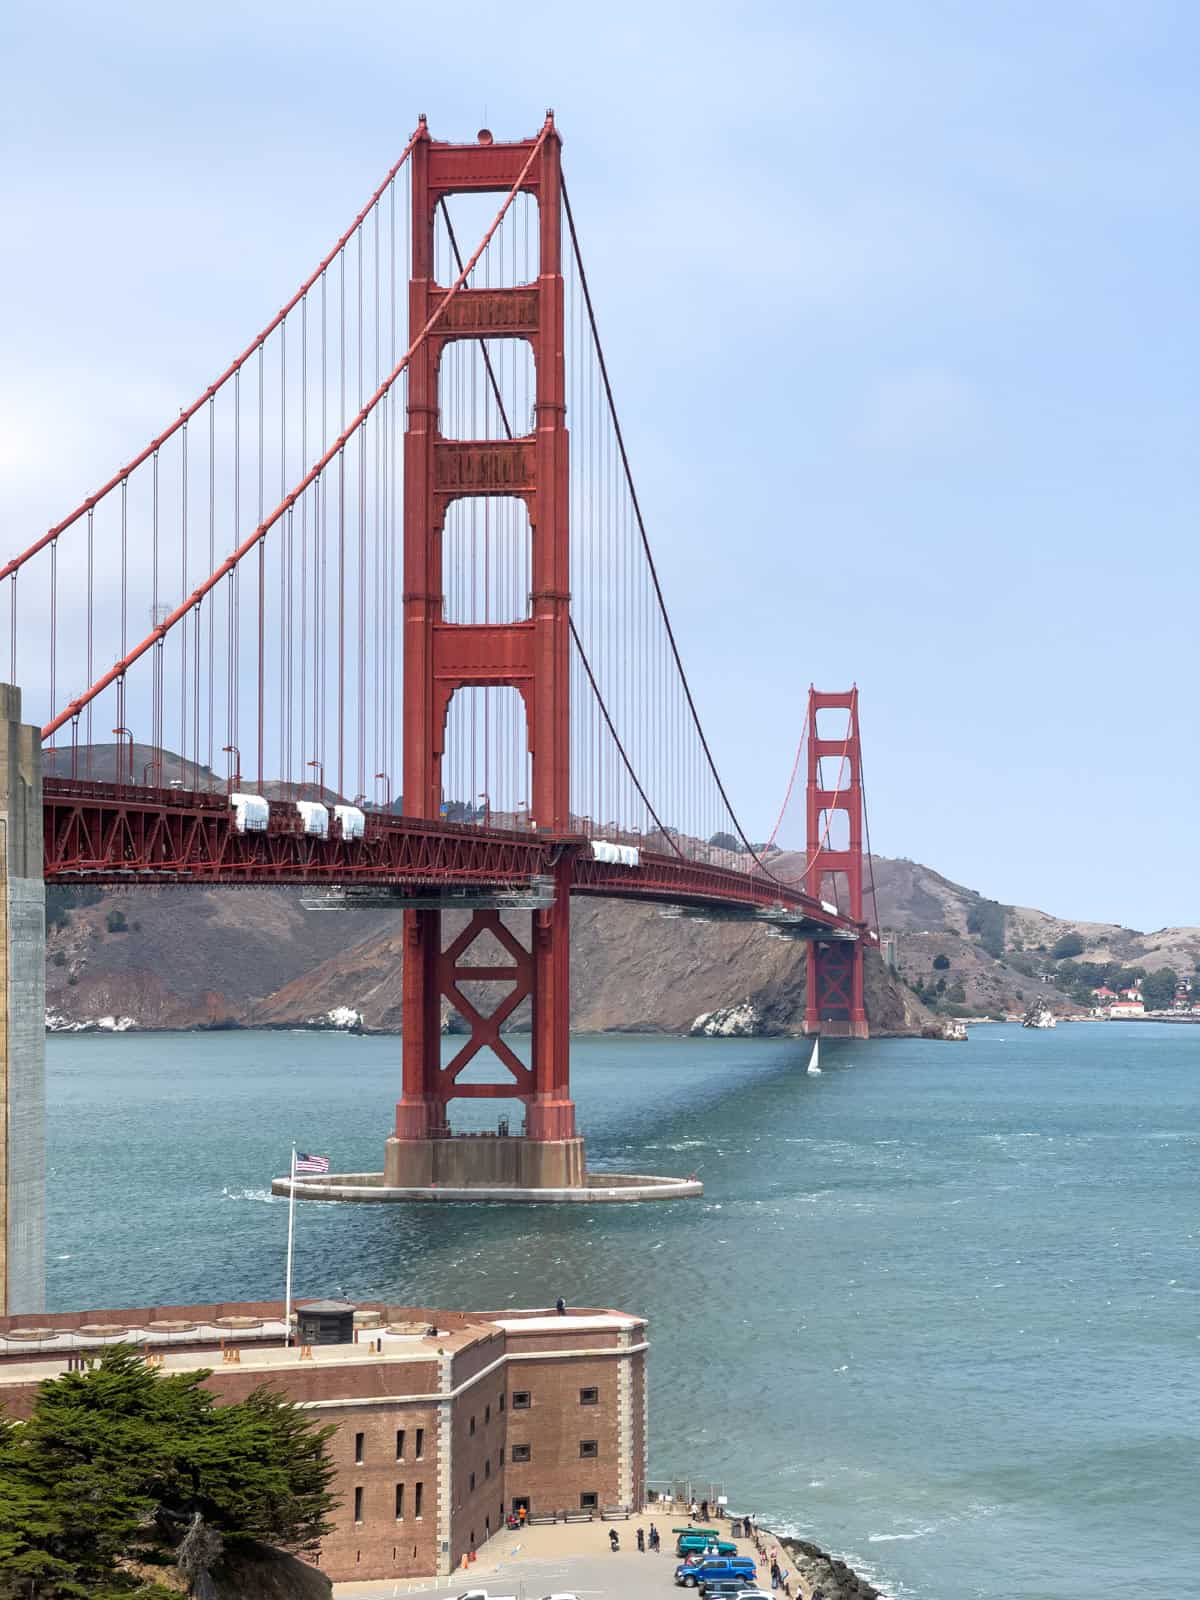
[740, 1569]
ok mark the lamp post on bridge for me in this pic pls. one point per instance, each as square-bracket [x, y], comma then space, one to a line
[386, 778]
[234, 779]
[320, 766]
[487, 809]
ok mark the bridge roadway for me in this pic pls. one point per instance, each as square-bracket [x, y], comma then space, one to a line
[119, 834]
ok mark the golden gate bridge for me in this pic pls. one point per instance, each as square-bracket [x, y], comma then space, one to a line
[435, 669]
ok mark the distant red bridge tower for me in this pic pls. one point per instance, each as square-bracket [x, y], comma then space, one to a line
[834, 1003]
[531, 656]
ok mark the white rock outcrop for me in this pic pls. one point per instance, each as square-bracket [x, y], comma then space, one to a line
[742, 1021]
[57, 1023]
[342, 1019]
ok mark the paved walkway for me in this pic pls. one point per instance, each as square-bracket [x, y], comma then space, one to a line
[575, 1557]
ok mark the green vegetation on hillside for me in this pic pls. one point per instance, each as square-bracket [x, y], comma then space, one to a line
[1080, 978]
[119, 1458]
[987, 919]
[61, 902]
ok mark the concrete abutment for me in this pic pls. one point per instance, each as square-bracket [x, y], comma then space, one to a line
[23, 1019]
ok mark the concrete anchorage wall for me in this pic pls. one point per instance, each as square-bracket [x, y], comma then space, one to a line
[23, 1019]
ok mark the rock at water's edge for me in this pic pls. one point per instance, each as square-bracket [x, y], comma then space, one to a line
[742, 1021]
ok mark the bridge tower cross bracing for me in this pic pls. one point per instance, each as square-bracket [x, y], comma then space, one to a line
[834, 1003]
[529, 655]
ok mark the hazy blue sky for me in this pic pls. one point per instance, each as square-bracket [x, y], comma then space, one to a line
[900, 300]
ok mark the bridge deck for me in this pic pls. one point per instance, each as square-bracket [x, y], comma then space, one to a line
[119, 835]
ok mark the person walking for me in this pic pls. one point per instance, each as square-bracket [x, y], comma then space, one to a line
[654, 1539]
[614, 1541]
[641, 1538]
[704, 1511]
[693, 1512]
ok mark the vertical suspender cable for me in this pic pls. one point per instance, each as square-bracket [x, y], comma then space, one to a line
[262, 588]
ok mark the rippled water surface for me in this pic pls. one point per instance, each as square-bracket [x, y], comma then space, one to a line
[938, 1308]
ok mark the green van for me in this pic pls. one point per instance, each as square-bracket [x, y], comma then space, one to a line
[692, 1543]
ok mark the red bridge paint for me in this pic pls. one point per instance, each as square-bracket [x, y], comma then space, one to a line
[118, 833]
[834, 1002]
[532, 657]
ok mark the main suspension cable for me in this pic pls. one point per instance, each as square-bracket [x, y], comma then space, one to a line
[235, 366]
[258, 537]
[637, 510]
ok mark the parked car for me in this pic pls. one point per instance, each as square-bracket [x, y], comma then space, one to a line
[704, 1544]
[738, 1569]
[721, 1589]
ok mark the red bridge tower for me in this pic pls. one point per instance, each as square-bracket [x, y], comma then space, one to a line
[530, 655]
[834, 1003]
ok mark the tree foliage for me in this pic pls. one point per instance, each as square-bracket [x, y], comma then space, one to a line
[725, 841]
[987, 920]
[1158, 988]
[111, 1453]
[941, 963]
[1069, 945]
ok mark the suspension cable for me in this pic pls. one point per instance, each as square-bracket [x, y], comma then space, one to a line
[637, 511]
[258, 537]
[231, 370]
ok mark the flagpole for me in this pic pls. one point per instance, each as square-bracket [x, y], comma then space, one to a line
[287, 1301]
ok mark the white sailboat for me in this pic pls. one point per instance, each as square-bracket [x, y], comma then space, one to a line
[814, 1060]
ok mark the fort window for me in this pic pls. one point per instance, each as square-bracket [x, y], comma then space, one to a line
[589, 1448]
[520, 1399]
[420, 1446]
[358, 1503]
[502, 1402]
[589, 1397]
[487, 1415]
[358, 1448]
[399, 1502]
[589, 1501]
[520, 1452]
[472, 1426]
[487, 1467]
[399, 1444]
[471, 1484]
[418, 1497]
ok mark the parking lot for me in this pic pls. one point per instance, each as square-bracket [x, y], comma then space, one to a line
[567, 1558]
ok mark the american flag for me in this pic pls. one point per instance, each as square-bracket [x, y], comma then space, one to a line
[306, 1163]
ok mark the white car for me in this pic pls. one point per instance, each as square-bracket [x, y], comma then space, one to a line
[754, 1594]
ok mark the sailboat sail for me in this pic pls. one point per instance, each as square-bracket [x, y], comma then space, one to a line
[814, 1061]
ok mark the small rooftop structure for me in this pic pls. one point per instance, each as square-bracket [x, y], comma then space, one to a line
[325, 1322]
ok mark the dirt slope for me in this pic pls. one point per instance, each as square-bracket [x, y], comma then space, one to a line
[255, 957]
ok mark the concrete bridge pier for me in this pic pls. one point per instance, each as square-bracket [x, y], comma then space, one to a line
[22, 1014]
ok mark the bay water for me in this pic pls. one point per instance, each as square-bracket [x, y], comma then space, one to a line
[938, 1310]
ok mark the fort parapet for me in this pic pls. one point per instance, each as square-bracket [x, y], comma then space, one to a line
[447, 1422]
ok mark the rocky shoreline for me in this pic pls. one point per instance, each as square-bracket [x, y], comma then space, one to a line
[820, 1574]
[727, 1022]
